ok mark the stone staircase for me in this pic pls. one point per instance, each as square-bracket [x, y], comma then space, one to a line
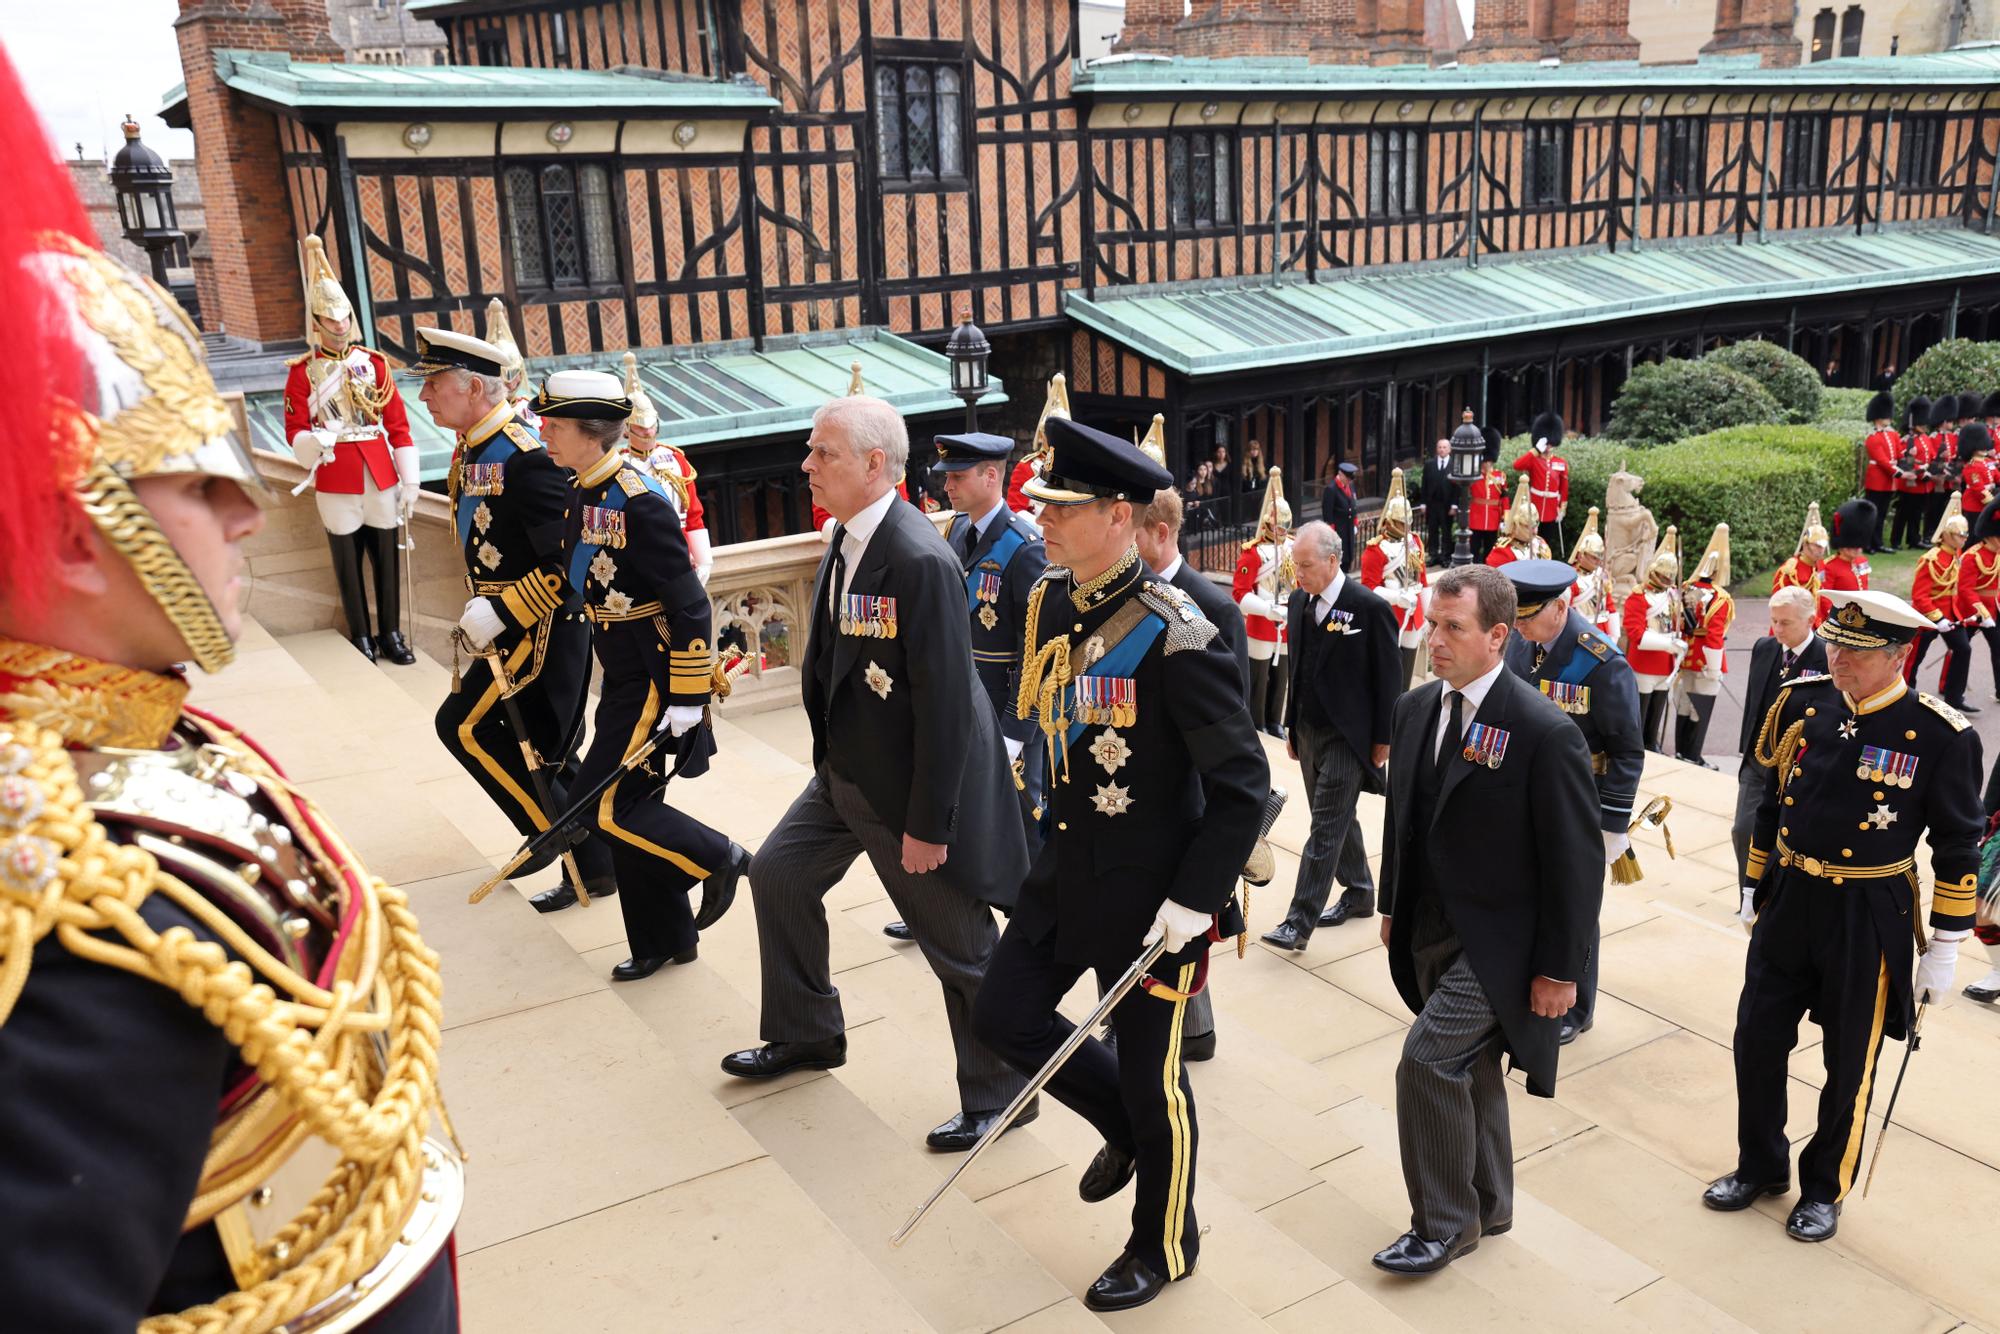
[618, 1180]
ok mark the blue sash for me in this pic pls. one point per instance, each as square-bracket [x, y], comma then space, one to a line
[1582, 662]
[1002, 551]
[1122, 660]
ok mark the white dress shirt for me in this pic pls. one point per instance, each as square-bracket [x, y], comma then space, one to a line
[1323, 604]
[854, 537]
[1173, 568]
[1475, 695]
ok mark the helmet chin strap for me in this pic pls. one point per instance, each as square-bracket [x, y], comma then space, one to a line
[129, 526]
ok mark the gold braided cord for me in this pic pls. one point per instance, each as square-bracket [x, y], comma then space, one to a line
[1765, 752]
[1085, 594]
[1045, 674]
[88, 702]
[62, 873]
[128, 525]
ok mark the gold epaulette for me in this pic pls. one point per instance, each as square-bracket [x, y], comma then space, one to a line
[1945, 711]
[299, 360]
[522, 437]
[630, 482]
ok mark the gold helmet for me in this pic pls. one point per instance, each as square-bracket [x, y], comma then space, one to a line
[1523, 520]
[854, 385]
[1274, 516]
[325, 298]
[1953, 523]
[1814, 531]
[1395, 518]
[1665, 571]
[513, 367]
[1589, 542]
[1154, 446]
[1055, 405]
[644, 415]
[1714, 565]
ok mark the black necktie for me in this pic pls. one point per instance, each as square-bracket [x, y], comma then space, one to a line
[1791, 660]
[964, 538]
[836, 575]
[1448, 744]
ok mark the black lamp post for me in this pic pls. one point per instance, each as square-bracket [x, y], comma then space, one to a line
[1468, 457]
[968, 350]
[145, 189]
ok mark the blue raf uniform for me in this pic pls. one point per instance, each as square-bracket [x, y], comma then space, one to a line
[1002, 555]
[1590, 681]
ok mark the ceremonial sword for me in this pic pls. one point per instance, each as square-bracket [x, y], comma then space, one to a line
[1909, 1050]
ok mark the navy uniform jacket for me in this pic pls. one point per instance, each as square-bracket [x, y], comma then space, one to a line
[507, 499]
[1004, 565]
[1162, 803]
[1588, 679]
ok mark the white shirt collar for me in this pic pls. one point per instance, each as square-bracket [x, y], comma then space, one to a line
[1475, 693]
[1172, 569]
[985, 521]
[1329, 593]
[1804, 644]
[862, 526]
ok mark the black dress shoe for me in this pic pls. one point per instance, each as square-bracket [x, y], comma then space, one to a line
[1737, 1191]
[898, 931]
[1813, 1221]
[635, 968]
[364, 646]
[1107, 1174]
[1198, 1046]
[1285, 936]
[1412, 1254]
[777, 1058]
[1276, 731]
[564, 895]
[1961, 706]
[1129, 1282]
[1571, 1030]
[1985, 995]
[967, 1128]
[719, 890]
[395, 648]
[1345, 912]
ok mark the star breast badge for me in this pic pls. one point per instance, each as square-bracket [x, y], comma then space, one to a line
[482, 518]
[603, 569]
[1848, 729]
[1113, 800]
[1110, 750]
[1882, 817]
[877, 679]
[489, 556]
[988, 617]
[617, 603]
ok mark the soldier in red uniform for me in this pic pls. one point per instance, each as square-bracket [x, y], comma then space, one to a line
[1263, 583]
[1548, 477]
[1978, 478]
[1913, 480]
[1934, 592]
[1520, 536]
[1847, 568]
[1948, 460]
[1489, 503]
[345, 422]
[1979, 584]
[1709, 612]
[669, 463]
[1884, 474]
[1393, 565]
[1802, 570]
[1655, 637]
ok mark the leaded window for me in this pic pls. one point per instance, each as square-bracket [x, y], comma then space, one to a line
[1681, 159]
[1921, 152]
[1395, 173]
[1804, 164]
[1545, 166]
[920, 120]
[560, 220]
[1201, 179]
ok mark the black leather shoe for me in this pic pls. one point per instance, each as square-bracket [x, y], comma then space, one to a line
[1276, 731]
[564, 896]
[1412, 1254]
[364, 646]
[1984, 995]
[635, 968]
[967, 1128]
[719, 890]
[1285, 936]
[778, 1058]
[1961, 706]
[395, 648]
[898, 931]
[1571, 1030]
[1737, 1191]
[1129, 1282]
[1345, 912]
[1813, 1221]
[1198, 1046]
[1107, 1174]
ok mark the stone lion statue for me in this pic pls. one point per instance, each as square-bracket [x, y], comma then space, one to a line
[1630, 533]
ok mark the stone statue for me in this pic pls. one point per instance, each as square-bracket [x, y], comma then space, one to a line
[1630, 533]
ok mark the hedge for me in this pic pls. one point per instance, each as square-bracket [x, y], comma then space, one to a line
[1843, 405]
[1786, 376]
[1955, 366]
[1668, 400]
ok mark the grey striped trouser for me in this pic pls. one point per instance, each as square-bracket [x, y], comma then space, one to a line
[827, 827]
[1334, 848]
[1451, 1100]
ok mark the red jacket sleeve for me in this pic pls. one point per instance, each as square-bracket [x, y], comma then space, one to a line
[298, 397]
[1247, 567]
[395, 417]
[1923, 589]
[1372, 564]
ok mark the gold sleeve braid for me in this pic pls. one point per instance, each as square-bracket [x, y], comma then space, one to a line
[315, 1050]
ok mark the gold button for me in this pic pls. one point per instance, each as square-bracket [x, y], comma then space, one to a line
[1077, 628]
[1909, 736]
[1839, 880]
[1880, 797]
[1062, 824]
[1811, 712]
[1786, 832]
[1788, 801]
[1863, 826]
[1847, 852]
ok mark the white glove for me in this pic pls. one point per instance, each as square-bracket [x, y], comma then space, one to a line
[1748, 912]
[680, 717]
[1014, 748]
[1179, 925]
[408, 483]
[309, 447]
[1254, 605]
[1935, 969]
[1654, 641]
[482, 624]
[700, 554]
[1615, 845]
[1946, 625]
[1680, 645]
[826, 529]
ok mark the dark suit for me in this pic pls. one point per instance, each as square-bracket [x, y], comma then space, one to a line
[1336, 507]
[1760, 690]
[1492, 876]
[904, 742]
[1346, 674]
[1440, 495]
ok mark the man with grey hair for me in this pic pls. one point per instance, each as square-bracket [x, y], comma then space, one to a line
[508, 499]
[908, 770]
[1346, 674]
[1790, 651]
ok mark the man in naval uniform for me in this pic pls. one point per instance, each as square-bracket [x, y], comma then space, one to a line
[623, 549]
[1156, 780]
[508, 498]
[1858, 768]
[1559, 653]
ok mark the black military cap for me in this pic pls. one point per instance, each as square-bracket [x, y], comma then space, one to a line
[1974, 439]
[1944, 409]
[1880, 408]
[583, 396]
[1990, 407]
[1853, 522]
[448, 350]
[956, 453]
[1537, 583]
[1917, 416]
[1988, 523]
[1548, 426]
[1868, 618]
[1089, 464]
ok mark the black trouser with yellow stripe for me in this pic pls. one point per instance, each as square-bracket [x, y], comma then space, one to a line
[473, 724]
[1818, 947]
[659, 852]
[1138, 1097]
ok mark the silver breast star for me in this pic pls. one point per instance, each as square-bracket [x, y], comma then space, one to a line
[1882, 817]
[1848, 729]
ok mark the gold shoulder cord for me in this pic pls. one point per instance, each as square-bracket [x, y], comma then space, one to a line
[314, 1049]
[1781, 756]
[1045, 674]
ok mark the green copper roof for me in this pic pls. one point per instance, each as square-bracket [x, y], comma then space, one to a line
[712, 393]
[1268, 76]
[275, 79]
[1239, 325]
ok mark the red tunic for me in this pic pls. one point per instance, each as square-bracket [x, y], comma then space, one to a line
[1934, 588]
[1716, 619]
[1249, 567]
[1839, 573]
[1375, 568]
[694, 520]
[1978, 594]
[1884, 448]
[1016, 498]
[341, 472]
[1796, 573]
[1548, 482]
[1923, 449]
[1977, 482]
[1489, 501]
[1638, 620]
[1500, 555]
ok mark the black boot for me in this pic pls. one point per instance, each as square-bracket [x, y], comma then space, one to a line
[388, 560]
[1260, 685]
[1409, 668]
[347, 575]
[1694, 731]
[1273, 720]
[1652, 725]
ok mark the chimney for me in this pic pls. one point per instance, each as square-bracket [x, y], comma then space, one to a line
[1398, 38]
[1500, 32]
[1245, 28]
[1761, 28]
[1149, 26]
[1333, 32]
[1602, 31]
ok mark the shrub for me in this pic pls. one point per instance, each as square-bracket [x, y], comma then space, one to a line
[1843, 405]
[1786, 376]
[1668, 400]
[1955, 366]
